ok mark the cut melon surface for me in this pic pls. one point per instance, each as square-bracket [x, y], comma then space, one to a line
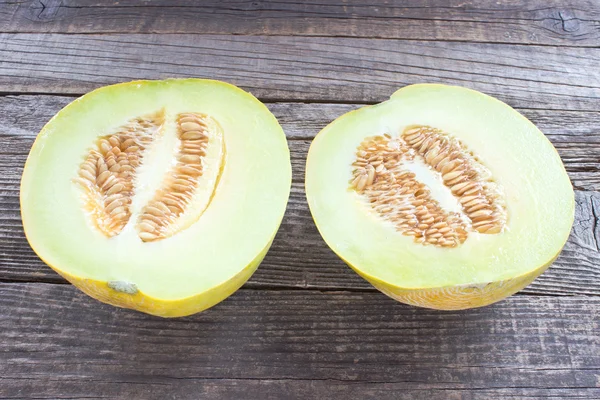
[441, 197]
[162, 196]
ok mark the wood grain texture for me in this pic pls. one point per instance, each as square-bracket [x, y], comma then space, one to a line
[574, 133]
[303, 68]
[299, 257]
[564, 23]
[56, 343]
[337, 338]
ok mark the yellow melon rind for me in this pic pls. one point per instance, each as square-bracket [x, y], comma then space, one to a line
[137, 299]
[455, 296]
[140, 301]
[459, 297]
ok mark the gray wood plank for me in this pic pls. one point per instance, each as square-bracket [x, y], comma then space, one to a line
[565, 23]
[57, 343]
[303, 68]
[299, 257]
[290, 389]
[573, 133]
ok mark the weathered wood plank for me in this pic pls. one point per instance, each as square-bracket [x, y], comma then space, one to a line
[571, 23]
[573, 133]
[303, 68]
[57, 343]
[292, 389]
[299, 257]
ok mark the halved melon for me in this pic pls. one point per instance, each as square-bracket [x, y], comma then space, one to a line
[161, 196]
[440, 197]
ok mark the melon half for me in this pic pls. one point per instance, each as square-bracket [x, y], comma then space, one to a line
[161, 196]
[440, 197]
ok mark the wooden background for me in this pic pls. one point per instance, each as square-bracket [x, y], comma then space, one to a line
[305, 326]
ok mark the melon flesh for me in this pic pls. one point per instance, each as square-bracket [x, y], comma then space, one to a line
[534, 193]
[228, 217]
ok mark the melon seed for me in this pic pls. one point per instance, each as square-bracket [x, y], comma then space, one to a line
[108, 191]
[172, 199]
[379, 174]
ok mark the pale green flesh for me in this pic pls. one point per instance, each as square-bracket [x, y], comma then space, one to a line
[239, 223]
[539, 195]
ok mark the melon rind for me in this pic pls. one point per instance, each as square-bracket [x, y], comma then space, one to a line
[486, 268]
[205, 262]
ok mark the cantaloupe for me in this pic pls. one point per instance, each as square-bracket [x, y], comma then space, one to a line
[161, 196]
[440, 197]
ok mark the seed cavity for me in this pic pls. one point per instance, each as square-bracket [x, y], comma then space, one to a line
[380, 173]
[159, 218]
[107, 174]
